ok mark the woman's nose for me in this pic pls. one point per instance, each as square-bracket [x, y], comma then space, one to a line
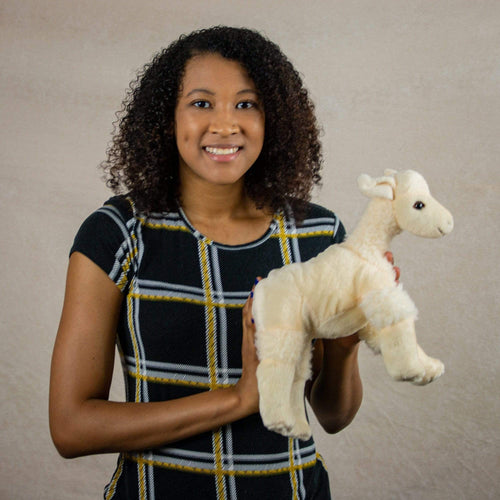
[223, 123]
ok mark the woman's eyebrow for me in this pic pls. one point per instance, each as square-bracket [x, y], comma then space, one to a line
[245, 91]
[210, 92]
[203, 91]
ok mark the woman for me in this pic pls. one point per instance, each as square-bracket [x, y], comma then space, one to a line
[217, 152]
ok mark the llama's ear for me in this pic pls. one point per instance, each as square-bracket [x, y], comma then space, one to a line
[380, 187]
[390, 172]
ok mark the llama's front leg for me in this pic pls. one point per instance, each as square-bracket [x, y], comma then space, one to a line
[403, 357]
[301, 428]
[398, 346]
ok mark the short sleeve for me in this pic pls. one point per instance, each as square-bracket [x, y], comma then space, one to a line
[339, 233]
[323, 220]
[107, 238]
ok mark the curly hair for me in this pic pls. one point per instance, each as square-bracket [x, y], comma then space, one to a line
[143, 158]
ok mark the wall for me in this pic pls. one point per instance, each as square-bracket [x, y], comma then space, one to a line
[412, 84]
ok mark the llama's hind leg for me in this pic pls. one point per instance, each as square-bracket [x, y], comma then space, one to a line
[301, 428]
[280, 353]
[275, 379]
[398, 345]
[403, 357]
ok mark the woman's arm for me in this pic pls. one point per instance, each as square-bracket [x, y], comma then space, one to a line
[335, 391]
[82, 420]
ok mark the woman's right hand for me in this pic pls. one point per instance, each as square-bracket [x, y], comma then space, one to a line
[246, 387]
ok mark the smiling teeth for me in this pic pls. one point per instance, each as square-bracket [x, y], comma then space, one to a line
[221, 151]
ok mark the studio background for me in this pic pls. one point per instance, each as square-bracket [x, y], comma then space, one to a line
[397, 84]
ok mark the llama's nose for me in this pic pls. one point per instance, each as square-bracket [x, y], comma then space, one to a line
[447, 225]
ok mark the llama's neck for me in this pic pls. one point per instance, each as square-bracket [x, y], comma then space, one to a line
[373, 234]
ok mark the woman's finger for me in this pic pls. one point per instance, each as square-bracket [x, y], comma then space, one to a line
[397, 271]
[390, 257]
[248, 304]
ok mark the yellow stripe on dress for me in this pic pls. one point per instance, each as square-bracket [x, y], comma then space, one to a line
[112, 485]
[142, 482]
[328, 232]
[126, 265]
[284, 244]
[142, 490]
[287, 259]
[169, 298]
[163, 225]
[293, 471]
[225, 472]
[173, 381]
[212, 363]
[131, 328]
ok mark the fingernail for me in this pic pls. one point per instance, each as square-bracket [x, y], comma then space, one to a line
[253, 321]
[251, 294]
[256, 281]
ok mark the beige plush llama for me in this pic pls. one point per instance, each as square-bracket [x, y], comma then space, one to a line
[349, 287]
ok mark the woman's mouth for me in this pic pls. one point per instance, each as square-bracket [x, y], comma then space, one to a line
[218, 153]
[221, 151]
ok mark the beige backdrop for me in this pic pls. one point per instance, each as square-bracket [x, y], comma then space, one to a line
[400, 84]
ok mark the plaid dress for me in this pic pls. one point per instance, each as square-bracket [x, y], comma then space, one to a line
[180, 333]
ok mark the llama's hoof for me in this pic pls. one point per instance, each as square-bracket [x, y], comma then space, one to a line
[301, 430]
[276, 419]
[289, 427]
[434, 368]
[280, 426]
[408, 374]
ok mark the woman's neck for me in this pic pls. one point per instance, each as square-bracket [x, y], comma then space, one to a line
[224, 214]
[215, 202]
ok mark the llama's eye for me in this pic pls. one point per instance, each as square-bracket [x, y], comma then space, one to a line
[418, 205]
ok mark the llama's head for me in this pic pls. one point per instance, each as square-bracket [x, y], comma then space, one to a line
[415, 210]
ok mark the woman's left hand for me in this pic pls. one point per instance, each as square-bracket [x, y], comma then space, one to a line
[390, 257]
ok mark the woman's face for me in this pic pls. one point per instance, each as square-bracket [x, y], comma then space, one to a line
[219, 121]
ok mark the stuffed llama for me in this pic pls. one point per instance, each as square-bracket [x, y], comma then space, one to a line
[348, 288]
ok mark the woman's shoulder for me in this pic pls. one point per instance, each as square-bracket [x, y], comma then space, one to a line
[108, 223]
[314, 210]
[312, 213]
[320, 220]
[120, 204]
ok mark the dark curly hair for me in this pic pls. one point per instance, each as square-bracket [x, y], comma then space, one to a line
[143, 157]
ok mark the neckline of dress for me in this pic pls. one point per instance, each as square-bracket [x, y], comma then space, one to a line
[199, 236]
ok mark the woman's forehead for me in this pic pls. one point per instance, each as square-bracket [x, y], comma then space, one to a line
[210, 71]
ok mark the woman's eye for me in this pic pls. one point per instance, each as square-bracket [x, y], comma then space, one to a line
[201, 104]
[246, 105]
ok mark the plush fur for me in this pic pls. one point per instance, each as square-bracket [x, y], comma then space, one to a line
[348, 288]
